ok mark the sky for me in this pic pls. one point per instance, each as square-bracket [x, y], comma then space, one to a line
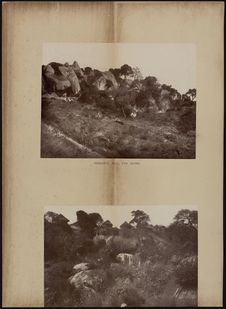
[173, 64]
[159, 214]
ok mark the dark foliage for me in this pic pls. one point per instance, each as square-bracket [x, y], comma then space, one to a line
[167, 257]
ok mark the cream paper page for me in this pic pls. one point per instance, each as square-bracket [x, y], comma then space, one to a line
[32, 183]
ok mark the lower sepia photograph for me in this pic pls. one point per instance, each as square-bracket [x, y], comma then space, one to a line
[121, 256]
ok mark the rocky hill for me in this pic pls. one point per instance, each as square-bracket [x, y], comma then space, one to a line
[125, 86]
[116, 113]
[92, 263]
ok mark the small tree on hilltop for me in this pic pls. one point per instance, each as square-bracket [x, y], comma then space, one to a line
[189, 96]
[151, 84]
[183, 231]
[126, 70]
[87, 70]
[192, 94]
[150, 81]
[140, 218]
[187, 216]
[137, 73]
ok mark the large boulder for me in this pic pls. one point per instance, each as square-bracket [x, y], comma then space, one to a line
[60, 78]
[81, 267]
[125, 258]
[100, 83]
[53, 217]
[109, 76]
[69, 74]
[75, 66]
[129, 259]
[103, 80]
[164, 101]
[93, 279]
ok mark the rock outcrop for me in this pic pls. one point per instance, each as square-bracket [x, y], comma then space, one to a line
[88, 279]
[60, 78]
[81, 267]
[120, 90]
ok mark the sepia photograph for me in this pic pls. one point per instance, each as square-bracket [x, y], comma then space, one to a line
[107, 100]
[120, 256]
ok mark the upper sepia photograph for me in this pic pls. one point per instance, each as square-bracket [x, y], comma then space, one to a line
[116, 100]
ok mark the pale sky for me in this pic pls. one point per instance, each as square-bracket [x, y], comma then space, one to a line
[173, 64]
[160, 214]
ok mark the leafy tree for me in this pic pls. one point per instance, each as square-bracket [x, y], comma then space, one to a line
[169, 88]
[187, 216]
[140, 218]
[150, 81]
[126, 70]
[88, 222]
[166, 87]
[189, 96]
[151, 84]
[191, 93]
[137, 73]
[88, 70]
[183, 231]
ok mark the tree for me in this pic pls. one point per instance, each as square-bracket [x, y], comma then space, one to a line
[126, 70]
[167, 87]
[183, 231]
[191, 93]
[88, 222]
[151, 84]
[171, 90]
[150, 81]
[140, 218]
[88, 70]
[186, 216]
[137, 73]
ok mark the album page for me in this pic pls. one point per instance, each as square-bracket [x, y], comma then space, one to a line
[113, 154]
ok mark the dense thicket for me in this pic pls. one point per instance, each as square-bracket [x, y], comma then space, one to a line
[138, 264]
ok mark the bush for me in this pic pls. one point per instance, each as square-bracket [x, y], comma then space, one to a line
[186, 274]
[122, 292]
[59, 242]
[58, 291]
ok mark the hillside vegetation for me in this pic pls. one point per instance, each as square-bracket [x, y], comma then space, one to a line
[92, 263]
[114, 114]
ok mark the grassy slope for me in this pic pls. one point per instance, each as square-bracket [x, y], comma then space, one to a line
[110, 136]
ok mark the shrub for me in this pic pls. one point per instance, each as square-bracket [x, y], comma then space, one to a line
[58, 291]
[122, 291]
[186, 274]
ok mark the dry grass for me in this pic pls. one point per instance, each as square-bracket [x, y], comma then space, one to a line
[110, 135]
